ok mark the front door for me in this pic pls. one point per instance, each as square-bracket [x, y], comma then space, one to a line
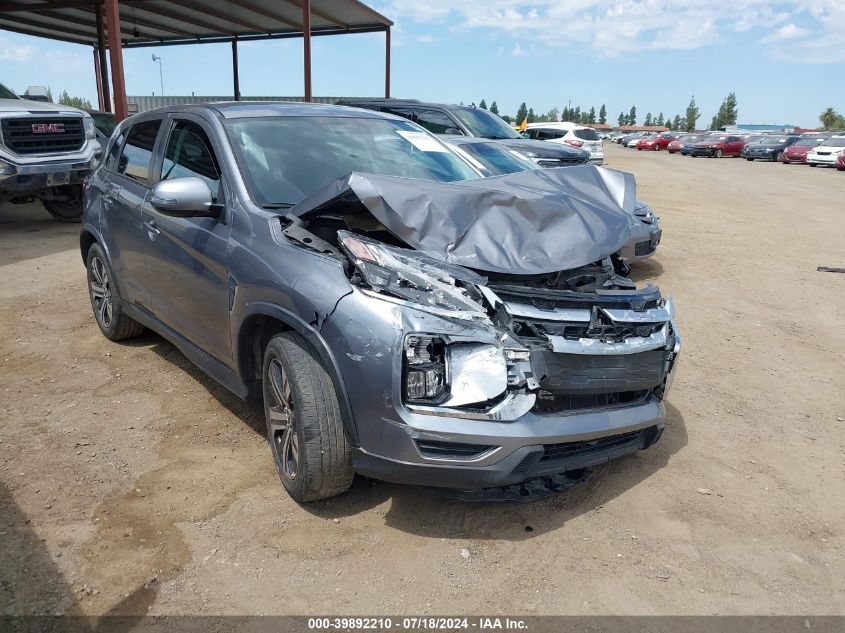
[186, 257]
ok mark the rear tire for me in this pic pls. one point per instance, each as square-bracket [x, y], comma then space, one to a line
[749, 159]
[304, 425]
[105, 298]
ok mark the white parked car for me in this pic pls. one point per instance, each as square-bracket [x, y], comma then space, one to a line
[580, 136]
[828, 152]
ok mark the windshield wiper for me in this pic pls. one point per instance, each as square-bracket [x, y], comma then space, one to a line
[277, 205]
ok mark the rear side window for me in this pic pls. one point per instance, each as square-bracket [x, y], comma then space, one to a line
[114, 152]
[545, 134]
[189, 153]
[138, 151]
[406, 113]
[587, 134]
[434, 121]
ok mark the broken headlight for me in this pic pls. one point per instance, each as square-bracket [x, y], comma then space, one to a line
[452, 374]
[414, 276]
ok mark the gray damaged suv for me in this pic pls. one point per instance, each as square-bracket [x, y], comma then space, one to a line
[400, 316]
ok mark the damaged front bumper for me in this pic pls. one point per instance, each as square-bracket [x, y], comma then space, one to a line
[583, 384]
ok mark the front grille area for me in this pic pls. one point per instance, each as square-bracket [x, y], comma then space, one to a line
[450, 450]
[19, 135]
[643, 248]
[550, 402]
[554, 452]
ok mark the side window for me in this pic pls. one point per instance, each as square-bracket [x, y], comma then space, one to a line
[407, 113]
[434, 121]
[138, 151]
[189, 153]
[114, 151]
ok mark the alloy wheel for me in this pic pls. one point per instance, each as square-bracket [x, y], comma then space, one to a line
[282, 420]
[101, 293]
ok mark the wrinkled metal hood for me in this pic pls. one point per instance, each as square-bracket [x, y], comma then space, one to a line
[532, 222]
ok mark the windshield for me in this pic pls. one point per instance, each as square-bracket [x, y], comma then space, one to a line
[773, 140]
[104, 122]
[808, 142]
[586, 134]
[496, 158]
[5, 93]
[484, 124]
[286, 159]
[834, 142]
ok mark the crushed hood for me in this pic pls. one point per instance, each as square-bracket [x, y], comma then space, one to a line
[531, 222]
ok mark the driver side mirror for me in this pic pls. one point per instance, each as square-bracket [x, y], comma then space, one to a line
[187, 197]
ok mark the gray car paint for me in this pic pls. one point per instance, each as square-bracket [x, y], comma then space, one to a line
[205, 283]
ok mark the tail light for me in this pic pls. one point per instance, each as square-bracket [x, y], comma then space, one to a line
[574, 143]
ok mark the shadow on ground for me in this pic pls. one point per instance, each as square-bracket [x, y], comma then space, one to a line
[646, 270]
[31, 583]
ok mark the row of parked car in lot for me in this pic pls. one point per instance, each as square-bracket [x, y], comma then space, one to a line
[811, 148]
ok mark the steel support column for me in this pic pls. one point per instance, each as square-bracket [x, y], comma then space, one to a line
[306, 40]
[102, 66]
[236, 82]
[100, 102]
[387, 63]
[116, 55]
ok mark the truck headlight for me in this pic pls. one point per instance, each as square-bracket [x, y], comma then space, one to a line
[6, 169]
[90, 129]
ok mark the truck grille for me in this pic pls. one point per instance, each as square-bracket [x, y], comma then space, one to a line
[568, 450]
[20, 137]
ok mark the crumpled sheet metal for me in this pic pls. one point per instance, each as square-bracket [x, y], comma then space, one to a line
[531, 222]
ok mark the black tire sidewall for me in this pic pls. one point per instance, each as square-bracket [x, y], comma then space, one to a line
[97, 251]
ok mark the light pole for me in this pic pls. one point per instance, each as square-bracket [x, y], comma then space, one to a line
[157, 58]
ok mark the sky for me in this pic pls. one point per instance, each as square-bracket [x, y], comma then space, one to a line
[784, 59]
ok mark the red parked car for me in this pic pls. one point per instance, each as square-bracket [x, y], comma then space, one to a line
[718, 146]
[840, 163]
[655, 143]
[797, 153]
[674, 145]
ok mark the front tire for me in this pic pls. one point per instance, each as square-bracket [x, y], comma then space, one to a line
[105, 299]
[779, 156]
[717, 153]
[304, 425]
[70, 210]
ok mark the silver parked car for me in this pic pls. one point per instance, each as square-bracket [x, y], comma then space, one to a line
[494, 159]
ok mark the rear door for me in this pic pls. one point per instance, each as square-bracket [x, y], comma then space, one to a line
[187, 257]
[436, 121]
[126, 186]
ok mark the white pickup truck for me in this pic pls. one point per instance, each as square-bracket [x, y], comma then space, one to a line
[46, 151]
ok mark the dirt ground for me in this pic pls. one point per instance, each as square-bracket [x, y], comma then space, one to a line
[130, 483]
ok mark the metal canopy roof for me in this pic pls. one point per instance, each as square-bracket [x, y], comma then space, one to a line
[165, 22]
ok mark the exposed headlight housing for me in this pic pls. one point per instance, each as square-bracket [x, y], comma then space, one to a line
[7, 169]
[644, 213]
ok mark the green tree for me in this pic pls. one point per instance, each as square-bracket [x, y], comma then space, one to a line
[576, 114]
[829, 118]
[74, 102]
[731, 112]
[585, 117]
[648, 120]
[553, 114]
[668, 123]
[632, 116]
[679, 123]
[660, 120]
[693, 114]
[591, 118]
[507, 119]
[522, 113]
[531, 116]
[494, 108]
[714, 122]
[622, 120]
[603, 114]
[482, 104]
